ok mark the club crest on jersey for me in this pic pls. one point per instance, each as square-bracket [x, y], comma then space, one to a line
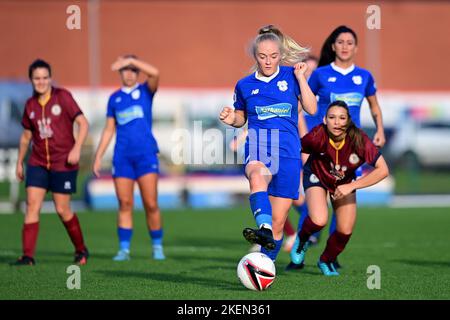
[353, 159]
[136, 94]
[282, 85]
[45, 131]
[32, 115]
[332, 79]
[56, 110]
[357, 80]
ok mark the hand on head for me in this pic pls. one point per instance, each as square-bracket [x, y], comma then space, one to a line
[120, 63]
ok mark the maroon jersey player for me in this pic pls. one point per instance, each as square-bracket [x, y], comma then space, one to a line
[336, 148]
[48, 122]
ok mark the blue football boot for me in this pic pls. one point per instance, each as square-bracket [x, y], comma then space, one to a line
[298, 251]
[122, 255]
[327, 268]
[158, 253]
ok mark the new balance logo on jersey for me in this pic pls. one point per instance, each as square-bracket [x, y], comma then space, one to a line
[256, 91]
[67, 185]
[332, 79]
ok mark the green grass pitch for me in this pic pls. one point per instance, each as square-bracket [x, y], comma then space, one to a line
[411, 247]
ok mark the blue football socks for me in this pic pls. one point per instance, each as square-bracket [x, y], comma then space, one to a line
[261, 208]
[156, 236]
[124, 238]
[273, 253]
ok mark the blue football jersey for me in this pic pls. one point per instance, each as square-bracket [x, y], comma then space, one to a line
[331, 83]
[132, 111]
[271, 103]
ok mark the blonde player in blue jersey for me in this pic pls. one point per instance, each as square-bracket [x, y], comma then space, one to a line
[337, 78]
[268, 99]
[135, 154]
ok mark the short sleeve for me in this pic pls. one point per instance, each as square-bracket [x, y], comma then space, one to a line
[313, 82]
[70, 105]
[371, 88]
[144, 86]
[26, 122]
[371, 152]
[313, 141]
[296, 87]
[239, 102]
[110, 109]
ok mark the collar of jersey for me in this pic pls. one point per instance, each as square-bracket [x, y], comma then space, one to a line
[342, 70]
[266, 79]
[128, 90]
[333, 144]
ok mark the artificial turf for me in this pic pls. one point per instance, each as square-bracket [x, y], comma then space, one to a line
[410, 246]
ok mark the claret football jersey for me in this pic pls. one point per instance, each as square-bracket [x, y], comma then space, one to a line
[335, 165]
[51, 125]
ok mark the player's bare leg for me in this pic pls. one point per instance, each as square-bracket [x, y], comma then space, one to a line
[259, 178]
[148, 185]
[124, 190]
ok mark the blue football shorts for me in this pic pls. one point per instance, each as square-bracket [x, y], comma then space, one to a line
[285, 172]
[134, 167]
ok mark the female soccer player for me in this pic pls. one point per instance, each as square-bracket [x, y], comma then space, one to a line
[337, 78]
[135, 153]
[268, 98]
[48, 121]
[336, 150]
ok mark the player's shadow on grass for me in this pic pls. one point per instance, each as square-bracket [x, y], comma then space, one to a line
[424, 263]
[299, 272]
[215, 267]
[41, 256]
[189, 257]
[8, 259]
[209, 242]
[174, 278]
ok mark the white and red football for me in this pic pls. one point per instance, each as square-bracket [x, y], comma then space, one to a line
[256, 271]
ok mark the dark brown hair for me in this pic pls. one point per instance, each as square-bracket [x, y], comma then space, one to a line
[353, 132]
